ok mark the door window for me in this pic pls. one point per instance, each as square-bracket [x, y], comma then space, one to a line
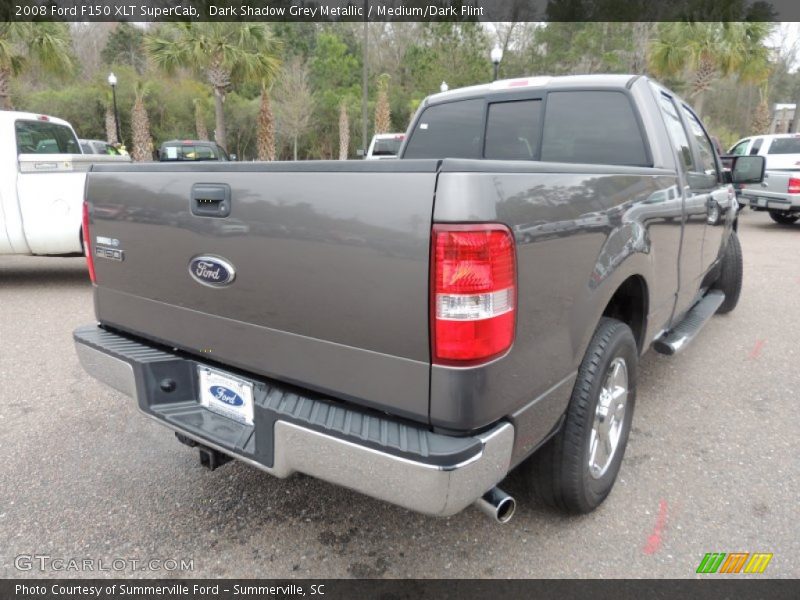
[707, 162]
[677, 133]
[592, 127]
[740, 148]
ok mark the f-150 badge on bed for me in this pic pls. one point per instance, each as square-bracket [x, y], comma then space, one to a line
[212, 271]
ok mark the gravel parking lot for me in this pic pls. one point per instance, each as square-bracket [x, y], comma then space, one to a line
[712, 464]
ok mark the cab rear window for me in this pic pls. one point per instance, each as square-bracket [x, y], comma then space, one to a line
[582, 126]
[44, 137]
[190, 152]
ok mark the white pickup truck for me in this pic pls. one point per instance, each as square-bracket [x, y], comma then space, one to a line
[779, 193]
[42, 176]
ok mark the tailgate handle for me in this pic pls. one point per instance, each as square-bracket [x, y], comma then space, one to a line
[211, 199]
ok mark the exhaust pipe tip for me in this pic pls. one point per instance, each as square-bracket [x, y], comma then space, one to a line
[498, 505]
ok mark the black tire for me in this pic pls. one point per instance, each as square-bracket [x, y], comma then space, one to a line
[730, 276]
[783, 218]
[559, 473]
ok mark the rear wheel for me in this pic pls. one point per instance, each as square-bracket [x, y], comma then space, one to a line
[576, 469]
[730, 277]
[783, 218]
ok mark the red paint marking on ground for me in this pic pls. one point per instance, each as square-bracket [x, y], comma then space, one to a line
[756, 351]
[653, 543]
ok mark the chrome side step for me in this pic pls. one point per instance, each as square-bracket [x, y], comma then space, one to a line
[677, 338]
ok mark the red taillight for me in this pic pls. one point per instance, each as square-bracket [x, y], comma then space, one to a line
[87, 244]
[794, 185]
[473, 293]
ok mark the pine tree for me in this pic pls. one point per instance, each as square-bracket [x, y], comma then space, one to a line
[383, 114]
[266, 128]
[344, 131]
[140, 124]
[200, 120]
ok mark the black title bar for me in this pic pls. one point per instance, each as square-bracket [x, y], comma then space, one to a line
[396, 589]
[399, 10]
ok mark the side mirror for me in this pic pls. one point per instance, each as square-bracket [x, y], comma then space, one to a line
[232, 157]
[360, 152]
[744, 169]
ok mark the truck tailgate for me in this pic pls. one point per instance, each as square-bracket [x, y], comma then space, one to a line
[330, 264]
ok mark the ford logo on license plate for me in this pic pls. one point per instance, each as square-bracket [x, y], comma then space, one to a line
[211, 271]
[226, 395]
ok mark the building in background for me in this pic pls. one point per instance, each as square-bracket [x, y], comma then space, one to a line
[782, 117]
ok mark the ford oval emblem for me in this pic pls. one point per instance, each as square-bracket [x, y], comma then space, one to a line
[225, 395]
[212, 271]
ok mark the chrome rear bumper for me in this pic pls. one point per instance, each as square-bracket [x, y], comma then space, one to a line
[440, 476]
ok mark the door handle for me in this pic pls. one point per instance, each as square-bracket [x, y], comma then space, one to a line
[211, 200]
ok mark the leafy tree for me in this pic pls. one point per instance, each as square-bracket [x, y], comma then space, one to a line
[22, 45]
[125, 46]
[334, 75]
[295, 103]
[700, 53]
[225, 53]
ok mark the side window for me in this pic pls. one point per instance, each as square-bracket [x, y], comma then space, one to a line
[786, 145]
[676, 132]
[512, 130]
[707, 162]
[595, 127]
[756, 146]
[740, 148]
[449, 130]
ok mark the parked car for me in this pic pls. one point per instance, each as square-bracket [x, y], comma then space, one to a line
[42, 177]
[180, 150]
[384, 145]
[451, 343]
[779, 192]
[98, 147]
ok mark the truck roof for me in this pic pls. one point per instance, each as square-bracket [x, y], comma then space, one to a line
[541, 81]
[9, 116]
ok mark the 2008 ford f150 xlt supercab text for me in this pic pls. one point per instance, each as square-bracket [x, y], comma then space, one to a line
[415, 329]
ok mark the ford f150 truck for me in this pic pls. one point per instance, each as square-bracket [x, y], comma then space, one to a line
[415, 329]
[42, 179]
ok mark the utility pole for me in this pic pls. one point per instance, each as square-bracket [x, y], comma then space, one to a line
[364, 123]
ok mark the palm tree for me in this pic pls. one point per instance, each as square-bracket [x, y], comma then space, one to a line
[265, 139]
[110, 121]
[22, 45]
[699, 53]
[344, 131]
[383, 112]
[200, 119]
[225, 53]
[140, 124]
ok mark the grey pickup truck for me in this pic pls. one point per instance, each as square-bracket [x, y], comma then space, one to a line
[416, 329]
